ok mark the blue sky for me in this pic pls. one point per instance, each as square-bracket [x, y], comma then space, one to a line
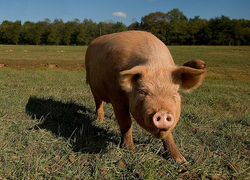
[126, 11]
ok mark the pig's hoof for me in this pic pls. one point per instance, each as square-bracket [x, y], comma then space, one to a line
[181, 160]
[99, 119]
[128, 146]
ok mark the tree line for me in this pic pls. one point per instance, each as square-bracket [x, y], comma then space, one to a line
[172, 28]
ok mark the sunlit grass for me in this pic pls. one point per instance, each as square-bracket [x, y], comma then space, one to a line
[48, 128]
[29, 57]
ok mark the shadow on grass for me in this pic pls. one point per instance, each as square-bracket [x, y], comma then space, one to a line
[71, 121]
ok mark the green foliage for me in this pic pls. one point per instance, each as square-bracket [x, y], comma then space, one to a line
[196, 31]
[172, 27]
[9, 32]
[175, 16]
[57, 32]
[31, 33]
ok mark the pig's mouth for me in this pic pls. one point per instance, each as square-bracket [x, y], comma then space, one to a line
[159, 133]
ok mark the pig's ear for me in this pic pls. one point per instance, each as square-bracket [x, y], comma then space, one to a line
[190, 75]
[128, 78]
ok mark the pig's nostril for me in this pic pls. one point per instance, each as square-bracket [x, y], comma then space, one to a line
[158, 118]
[169, 118]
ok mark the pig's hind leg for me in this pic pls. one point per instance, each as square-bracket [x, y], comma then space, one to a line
[99, 109]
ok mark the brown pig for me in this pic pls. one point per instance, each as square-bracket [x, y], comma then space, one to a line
[135, 72]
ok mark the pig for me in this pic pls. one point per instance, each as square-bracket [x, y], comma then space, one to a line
[135, 72]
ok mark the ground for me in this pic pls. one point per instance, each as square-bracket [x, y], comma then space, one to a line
[48, 128]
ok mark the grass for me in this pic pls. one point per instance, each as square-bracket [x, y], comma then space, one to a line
[40, 57]
[48, 128]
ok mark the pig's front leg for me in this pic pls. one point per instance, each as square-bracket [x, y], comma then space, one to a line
[170, 147]
[125, 123]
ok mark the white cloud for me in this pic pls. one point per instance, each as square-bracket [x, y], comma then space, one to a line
[119, 14]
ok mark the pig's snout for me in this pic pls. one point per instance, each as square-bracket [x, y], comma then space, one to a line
[163, 120]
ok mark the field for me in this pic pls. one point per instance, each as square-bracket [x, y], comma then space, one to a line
[48, 128]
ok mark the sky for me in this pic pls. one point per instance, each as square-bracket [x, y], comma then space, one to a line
[126, 11]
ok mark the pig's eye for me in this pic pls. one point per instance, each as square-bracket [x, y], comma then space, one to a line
[143, 92]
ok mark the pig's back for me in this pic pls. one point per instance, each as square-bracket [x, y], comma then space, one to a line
[110, 54]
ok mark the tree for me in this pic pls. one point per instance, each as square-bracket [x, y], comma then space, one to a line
[222, 30]
[74, 33]
[53, 37]
[105, 28]
[82, 35]
[172, 27]
[204, 35]
[31, 33]
[158, 24]
[241, 34]
[119, 27]
[154, 20]
[175, 16]
[44, 29]
[195, 30]
[9, 32]
[178, 27]
[66, 32]
[58, 22]
[94, 31]
[245, 35]
[134, 26]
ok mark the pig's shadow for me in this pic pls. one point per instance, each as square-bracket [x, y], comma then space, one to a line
[71, 121]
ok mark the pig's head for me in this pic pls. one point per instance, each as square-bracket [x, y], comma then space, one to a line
[153, 96]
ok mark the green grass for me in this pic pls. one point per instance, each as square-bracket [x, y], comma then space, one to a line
[48, 128]
[40, 57]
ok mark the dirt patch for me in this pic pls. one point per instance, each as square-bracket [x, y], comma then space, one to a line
[3, 65]
[53, 66]
[188, 175]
